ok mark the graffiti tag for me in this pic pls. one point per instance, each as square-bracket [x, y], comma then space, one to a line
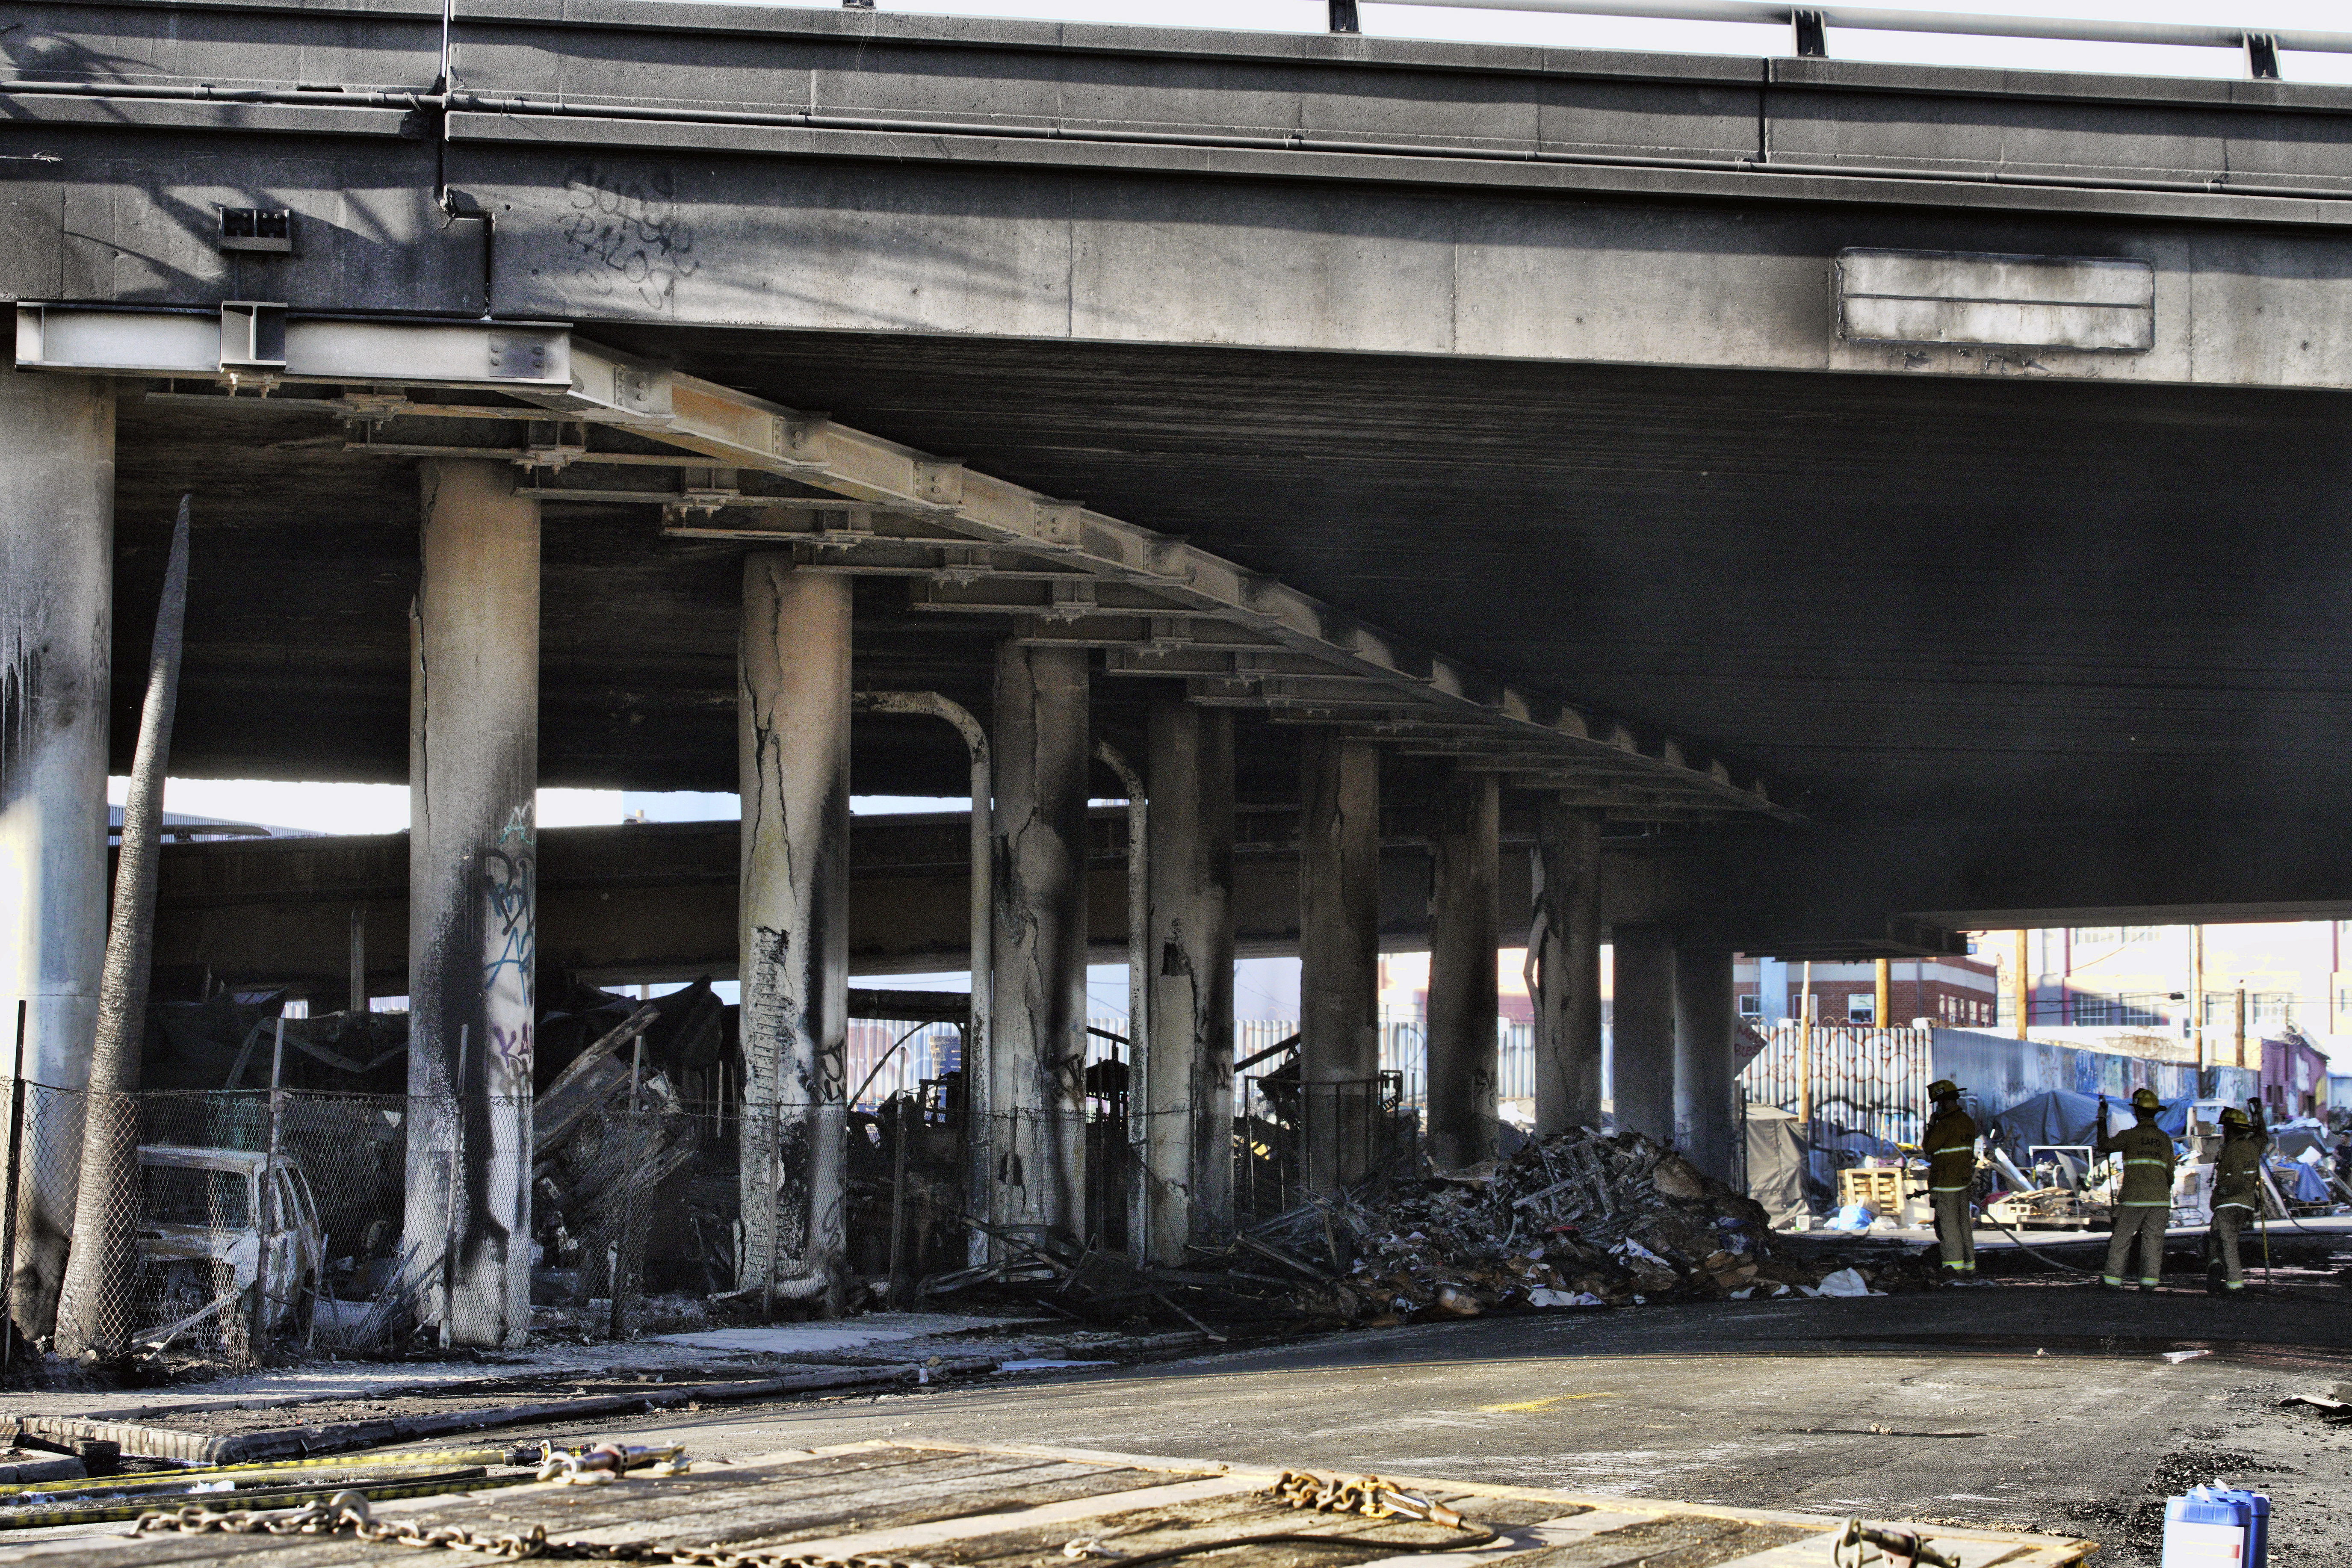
[629, 232]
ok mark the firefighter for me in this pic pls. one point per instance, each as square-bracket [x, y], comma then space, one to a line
[1950, 1144]
[2144, 1204]
[2237, 1189]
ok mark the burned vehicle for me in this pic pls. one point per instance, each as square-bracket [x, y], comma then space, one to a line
[211, 1222]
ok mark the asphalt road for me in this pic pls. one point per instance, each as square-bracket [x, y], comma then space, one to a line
[2041, 1406]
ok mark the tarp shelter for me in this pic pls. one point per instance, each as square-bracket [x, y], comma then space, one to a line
[1776, 1162]
[2054, 1116]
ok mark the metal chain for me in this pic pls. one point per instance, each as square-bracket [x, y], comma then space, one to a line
[344, 1511]
[348, 1512]
[1368, 1495]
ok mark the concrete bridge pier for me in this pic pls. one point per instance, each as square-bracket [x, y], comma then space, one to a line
[1338, 950]
[1564, 940]
[1036, 1094]
[473, 778]
[1642, 1064]
[56, 618]
[1465, 932]
[1704, 1128]
[1186, 1097]
[792, 712]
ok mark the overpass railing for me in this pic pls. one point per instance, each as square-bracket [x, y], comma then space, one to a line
[1810, 25]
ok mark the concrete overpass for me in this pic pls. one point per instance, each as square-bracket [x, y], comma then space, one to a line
[1890, 497]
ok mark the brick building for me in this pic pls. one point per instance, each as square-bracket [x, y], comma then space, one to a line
[1958, 993]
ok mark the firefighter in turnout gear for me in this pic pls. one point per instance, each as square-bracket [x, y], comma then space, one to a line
[2237, 1188]
[1950, 1144]
[2144, 1203]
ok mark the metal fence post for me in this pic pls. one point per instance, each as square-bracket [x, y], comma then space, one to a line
[15, 1157]
[269, 1205]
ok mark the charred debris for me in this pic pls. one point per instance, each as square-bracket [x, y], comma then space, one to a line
[635, 1196]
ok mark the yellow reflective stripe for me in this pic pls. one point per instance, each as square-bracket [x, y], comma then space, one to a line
[1964, 1187]
[2163, 1164]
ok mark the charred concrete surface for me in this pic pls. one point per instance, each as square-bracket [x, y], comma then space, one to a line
[1034, 1133]
[473, 918]
[794, 937]
[57, 540]
[2027, 1406]
[1531, 355]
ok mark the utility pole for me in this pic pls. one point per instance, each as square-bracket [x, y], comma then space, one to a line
[1805, 1053]
[1880, 1015]
[2196, 1001]
[2242, 1027]
[2024, 985]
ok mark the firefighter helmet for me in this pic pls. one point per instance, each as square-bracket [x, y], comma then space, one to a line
[2146, 1100]
[1942, 1087]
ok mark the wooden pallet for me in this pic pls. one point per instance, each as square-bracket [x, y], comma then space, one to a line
[1017, 1507]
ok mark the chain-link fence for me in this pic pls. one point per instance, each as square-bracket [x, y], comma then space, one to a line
[255, 1224]
[260, 1223]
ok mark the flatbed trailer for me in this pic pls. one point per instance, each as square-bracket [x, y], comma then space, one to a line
[905, 1502]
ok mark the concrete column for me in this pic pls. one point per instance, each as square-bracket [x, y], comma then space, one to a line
[791, 706]
[1465, 932]
[1564, 944]
[1644, 1060]
[1187, 1098]
[1338, 947]
[1036, 1071]
[57, 632]
[473, 852]
[1704, 1128]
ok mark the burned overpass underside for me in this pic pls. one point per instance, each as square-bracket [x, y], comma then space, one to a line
[1515, 496]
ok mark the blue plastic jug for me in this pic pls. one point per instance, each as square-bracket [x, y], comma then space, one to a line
[2217, 1527]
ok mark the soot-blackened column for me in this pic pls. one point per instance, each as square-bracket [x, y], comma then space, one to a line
[1565, 958]
[793, 748]
[1338, 953]
[57, 632]
[1704, 1128]
[1641, 1065]
[1465, 932]
[1037, 1070]
[1187, 1098]
[473, 860]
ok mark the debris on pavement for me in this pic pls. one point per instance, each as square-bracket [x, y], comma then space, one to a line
[1581, 1220]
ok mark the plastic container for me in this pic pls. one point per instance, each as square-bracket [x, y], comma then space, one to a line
[2216, 1527]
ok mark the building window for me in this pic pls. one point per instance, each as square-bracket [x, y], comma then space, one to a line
[2096, 1011]
[1751, 1005]
[2097, 936]
[2268, 1008]
[2141, 933]
[1862, 1008]
[2140, 1009]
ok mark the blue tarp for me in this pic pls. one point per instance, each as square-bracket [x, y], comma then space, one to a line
[2301, 1182]
[2054, 1116]
[2061, 1117]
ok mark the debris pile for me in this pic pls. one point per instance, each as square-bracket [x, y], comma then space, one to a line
[612, 1141]
[1579, 1219]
